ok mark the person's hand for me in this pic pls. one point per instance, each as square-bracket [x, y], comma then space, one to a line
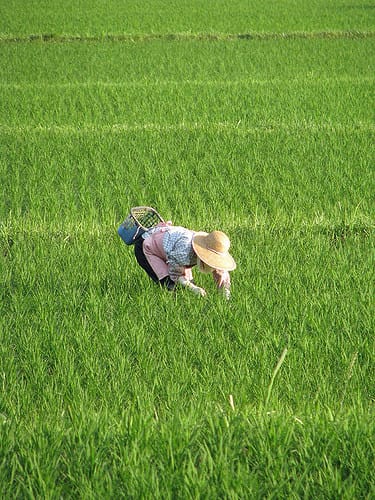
[194, 288]
[198, 290]
[221, 278]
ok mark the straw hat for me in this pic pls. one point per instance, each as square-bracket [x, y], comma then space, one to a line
[212, 249]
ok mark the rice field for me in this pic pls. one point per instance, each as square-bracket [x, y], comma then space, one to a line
[255, 118]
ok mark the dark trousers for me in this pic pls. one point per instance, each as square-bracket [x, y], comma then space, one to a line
[143, 262]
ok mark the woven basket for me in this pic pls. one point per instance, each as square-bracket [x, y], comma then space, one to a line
[138, 222]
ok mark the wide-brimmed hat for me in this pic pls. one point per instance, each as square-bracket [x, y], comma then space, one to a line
[213, 250]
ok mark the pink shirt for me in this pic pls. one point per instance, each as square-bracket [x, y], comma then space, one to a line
[155, 254]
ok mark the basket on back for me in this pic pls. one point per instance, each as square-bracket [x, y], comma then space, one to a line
[137, 222]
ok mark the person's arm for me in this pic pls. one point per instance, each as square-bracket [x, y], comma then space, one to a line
[178, 254]
[222, 280]
[183, 276]
[190, 286]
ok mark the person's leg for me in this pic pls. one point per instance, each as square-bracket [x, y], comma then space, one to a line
[155, 255]
[142, 261]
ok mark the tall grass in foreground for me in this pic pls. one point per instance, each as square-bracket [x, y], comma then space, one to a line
[227, 455]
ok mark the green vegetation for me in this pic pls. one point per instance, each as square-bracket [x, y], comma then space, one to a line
[111, 387]
[160, 16]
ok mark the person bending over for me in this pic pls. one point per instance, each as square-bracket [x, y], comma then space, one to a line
[167, 253]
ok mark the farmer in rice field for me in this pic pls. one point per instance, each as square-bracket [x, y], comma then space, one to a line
[167, 253]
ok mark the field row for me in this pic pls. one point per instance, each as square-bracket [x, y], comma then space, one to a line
[183, 37]
[305, 291]
[240, 128]
[282, 177]
[239, 16]
[341, 104]
[306, 79]
[113, 63]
